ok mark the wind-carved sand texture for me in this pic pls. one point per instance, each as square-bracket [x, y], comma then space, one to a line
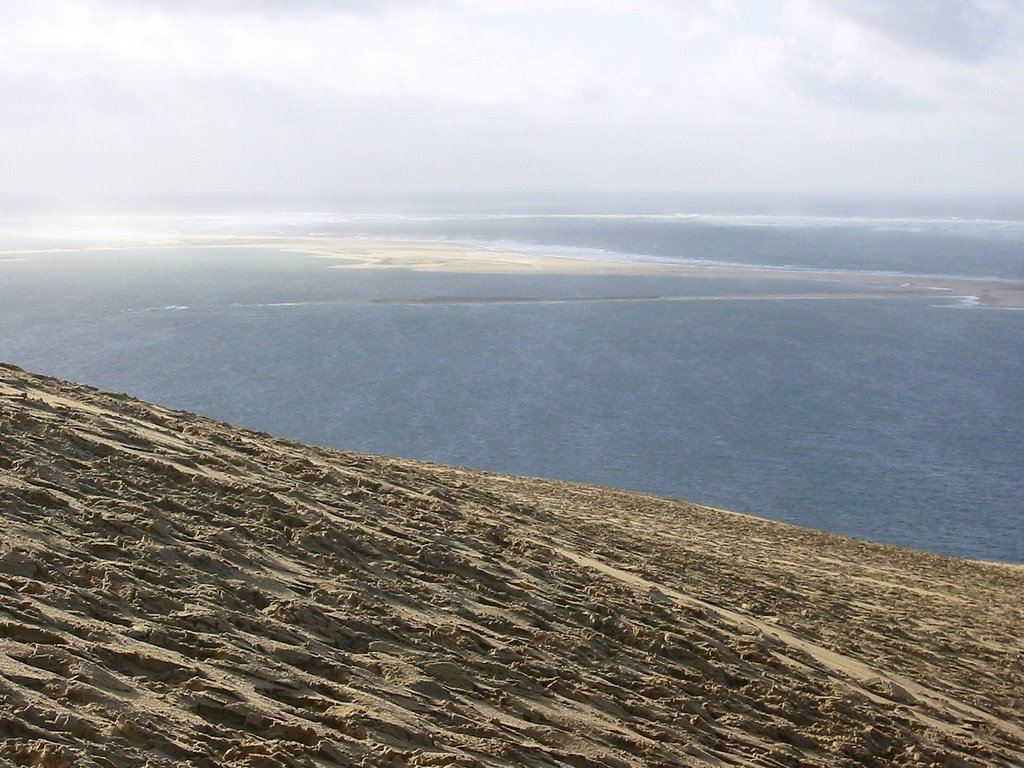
[176, 591]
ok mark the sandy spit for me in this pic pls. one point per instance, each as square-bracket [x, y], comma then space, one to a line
[366, 254]
[455, 257]
[176, 591]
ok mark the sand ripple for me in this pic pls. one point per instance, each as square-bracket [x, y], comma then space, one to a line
[176, 591]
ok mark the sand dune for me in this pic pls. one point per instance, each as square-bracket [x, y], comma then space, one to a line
[175, 591]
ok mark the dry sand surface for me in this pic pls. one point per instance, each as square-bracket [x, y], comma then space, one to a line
[359, 254]
[453, 257]
[176, 591]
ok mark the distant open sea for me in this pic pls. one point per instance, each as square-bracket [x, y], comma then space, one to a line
[897, 420]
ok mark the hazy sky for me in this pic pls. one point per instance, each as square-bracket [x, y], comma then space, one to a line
[115, 98]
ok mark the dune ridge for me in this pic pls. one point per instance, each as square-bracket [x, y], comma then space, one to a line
[174, 590]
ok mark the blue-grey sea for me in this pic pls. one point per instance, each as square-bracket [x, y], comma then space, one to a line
[896, 420]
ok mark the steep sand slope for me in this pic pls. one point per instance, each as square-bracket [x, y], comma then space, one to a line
[177, 591]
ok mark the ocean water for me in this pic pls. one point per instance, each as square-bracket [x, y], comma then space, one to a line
[898, 420]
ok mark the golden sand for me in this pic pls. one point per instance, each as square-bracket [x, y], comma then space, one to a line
[176, 591]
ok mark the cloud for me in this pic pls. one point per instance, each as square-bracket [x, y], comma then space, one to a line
[967, 30]
[315, 95]
[856, 91]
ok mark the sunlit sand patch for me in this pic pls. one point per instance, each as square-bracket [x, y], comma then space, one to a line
[174, 586]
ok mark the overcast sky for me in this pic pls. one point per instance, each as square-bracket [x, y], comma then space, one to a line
[115, 98]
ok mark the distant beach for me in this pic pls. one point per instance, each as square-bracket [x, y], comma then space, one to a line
[419, 256]
[429, 257]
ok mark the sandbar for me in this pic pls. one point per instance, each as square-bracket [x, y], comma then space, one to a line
[467, 258]
[434, 257]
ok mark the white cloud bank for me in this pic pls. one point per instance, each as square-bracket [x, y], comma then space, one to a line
[107, 98]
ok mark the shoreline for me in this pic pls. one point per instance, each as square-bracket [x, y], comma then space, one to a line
[466, 258]
[430, 257]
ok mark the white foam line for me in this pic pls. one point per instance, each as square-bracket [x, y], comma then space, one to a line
[264, 222]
